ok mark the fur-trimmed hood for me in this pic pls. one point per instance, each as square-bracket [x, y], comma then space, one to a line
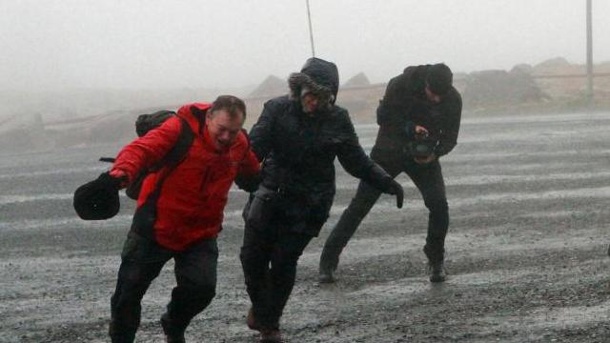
[320, 76]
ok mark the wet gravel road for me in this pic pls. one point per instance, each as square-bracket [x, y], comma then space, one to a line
[527, 250]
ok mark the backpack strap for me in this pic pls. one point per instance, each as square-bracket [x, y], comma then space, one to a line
[174, 157]
[145, 216]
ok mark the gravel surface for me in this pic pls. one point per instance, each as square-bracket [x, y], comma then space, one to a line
[527, 250]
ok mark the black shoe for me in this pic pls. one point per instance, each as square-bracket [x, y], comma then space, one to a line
[119, 334]
[329, 260]
[326, 276]
[172, 334]
[437, 271]
[121, 339]
[271, 336]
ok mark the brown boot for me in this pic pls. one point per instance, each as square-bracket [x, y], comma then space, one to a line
[251, 321]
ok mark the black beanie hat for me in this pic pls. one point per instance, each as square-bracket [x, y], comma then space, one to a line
[439, 78]
[97, 199]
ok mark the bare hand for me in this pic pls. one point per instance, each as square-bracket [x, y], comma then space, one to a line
[425, 159]
[420, 130]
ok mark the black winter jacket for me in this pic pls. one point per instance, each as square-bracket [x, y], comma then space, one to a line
[299, 149]
[395, 113]
[299, 153]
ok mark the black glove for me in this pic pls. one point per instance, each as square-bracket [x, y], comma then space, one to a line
[394, 188]
[385, 183]
[248, 183]
[111, 182]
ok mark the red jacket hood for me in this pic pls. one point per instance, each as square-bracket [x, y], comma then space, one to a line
[194, 114]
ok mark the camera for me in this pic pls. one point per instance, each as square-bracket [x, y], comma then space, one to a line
[422, 145]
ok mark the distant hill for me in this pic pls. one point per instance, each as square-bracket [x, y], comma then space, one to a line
[43, 120]
[272, 86]
[358, 80]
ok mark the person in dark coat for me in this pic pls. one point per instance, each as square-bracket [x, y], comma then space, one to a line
[419, 120]
[297, 138]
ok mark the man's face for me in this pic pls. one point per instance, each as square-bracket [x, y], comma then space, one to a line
[309, 101]
[431, 96]
[223, 128]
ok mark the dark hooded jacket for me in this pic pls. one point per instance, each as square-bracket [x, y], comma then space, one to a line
[299, 149]
[400, 109]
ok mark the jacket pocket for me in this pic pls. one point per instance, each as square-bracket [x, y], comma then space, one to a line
[259, 209]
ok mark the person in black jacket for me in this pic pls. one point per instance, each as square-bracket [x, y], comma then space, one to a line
[297, 138]
[419, 120]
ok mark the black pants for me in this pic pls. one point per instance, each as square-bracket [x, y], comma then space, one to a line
[269, 257]
[429, 181]
[142, 261]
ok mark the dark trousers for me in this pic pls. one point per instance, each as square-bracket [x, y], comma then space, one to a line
[142, 261]
[269, 259]
[429, 181]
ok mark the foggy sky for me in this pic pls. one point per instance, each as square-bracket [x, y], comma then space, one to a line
[65, 44]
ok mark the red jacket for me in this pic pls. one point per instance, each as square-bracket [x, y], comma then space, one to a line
[193, 196]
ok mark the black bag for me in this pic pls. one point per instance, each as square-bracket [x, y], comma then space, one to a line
[146, 123]
[97, 199]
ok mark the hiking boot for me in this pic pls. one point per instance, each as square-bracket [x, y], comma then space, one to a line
[172, 334]
[326, 276]
[121, 339]
[271, 336]
[437, 271]
[119, 334]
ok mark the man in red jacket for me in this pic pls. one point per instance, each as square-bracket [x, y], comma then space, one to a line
[179, 212]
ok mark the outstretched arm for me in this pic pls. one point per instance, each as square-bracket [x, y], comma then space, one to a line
[145, 151]
[355, 161]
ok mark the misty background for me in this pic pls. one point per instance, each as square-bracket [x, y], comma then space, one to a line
[71, 44]
[70, 59]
